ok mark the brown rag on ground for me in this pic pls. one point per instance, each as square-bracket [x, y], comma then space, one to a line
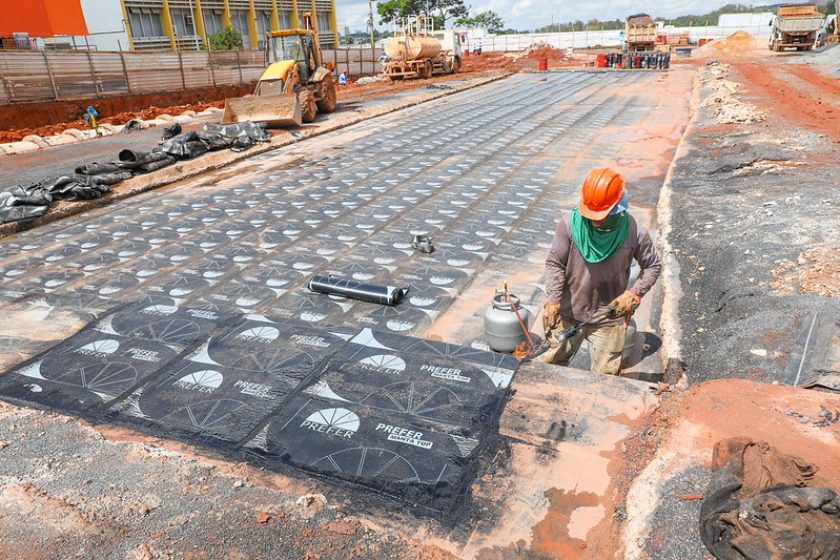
[759, 507]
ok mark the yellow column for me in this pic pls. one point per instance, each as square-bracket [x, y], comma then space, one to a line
[226, 15]
[166, 22]
[275, 16]
[198, 18]
[314, 17]
[253, 31]
[295, 20]
[334, 24]
[127, 26]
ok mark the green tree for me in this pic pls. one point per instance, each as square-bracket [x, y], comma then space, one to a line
[228, 39]
[489, 20]
[441, 10]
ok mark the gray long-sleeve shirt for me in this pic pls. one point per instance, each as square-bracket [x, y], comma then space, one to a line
[585, 289]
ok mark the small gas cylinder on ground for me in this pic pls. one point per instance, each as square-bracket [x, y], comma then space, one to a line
[501, 327]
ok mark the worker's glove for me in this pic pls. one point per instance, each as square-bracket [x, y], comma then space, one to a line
[624, 305]
[551, 315]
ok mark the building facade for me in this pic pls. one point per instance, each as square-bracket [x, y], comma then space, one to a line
[119, 25]
[186, 24]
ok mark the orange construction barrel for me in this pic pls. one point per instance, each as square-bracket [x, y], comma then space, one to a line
[602, 60]
[543, 65]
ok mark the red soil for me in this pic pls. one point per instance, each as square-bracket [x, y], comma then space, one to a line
[46, 119]
[796, 93]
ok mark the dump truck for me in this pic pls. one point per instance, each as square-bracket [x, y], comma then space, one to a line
[293, 89]
[795, 25]
[417, 51]
[639, 33]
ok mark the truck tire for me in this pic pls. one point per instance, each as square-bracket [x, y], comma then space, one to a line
[424, 71]
[456, 64]
[328, 97]
[308, 108]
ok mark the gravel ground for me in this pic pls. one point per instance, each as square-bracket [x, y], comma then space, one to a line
[746, 198]
[675, 525]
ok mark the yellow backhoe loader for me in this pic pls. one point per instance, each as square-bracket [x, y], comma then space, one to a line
[294, 87]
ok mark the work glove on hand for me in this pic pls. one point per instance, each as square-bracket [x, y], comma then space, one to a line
[551, 315]
[624, 305]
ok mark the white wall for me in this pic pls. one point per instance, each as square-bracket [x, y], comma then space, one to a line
[582, 39]
[104, 23]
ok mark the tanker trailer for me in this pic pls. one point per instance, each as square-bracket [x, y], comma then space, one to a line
[415, 52]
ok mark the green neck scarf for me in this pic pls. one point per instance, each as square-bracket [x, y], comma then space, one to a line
[597, 244]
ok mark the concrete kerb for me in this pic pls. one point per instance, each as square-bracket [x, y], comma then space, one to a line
[669, 321]
[216, 160]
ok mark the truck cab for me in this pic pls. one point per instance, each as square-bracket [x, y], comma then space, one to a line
[450, 41]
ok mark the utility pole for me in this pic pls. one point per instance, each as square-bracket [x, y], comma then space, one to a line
[370, 23]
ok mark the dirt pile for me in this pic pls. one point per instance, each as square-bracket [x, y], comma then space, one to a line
[738, 44]
[816, 271]
[488, 61]
[539, 51]
[727, 108]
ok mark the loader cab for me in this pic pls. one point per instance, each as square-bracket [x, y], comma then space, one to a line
[294, 45]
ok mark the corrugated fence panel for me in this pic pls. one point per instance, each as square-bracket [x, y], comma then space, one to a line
[355, 61]
[110, 75]
[226, 69]
[196, 69]
[72, 72]
[26, 76]
[32, 76]
[154, 74]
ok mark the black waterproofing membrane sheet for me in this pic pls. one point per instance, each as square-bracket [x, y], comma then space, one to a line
[402, 416]
[371, 293]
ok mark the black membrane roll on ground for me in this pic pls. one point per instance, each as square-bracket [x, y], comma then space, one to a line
[373, 293]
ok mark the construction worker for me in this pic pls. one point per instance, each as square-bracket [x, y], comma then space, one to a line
[587, 272]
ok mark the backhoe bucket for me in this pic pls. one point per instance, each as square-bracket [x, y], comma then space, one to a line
[276, 110]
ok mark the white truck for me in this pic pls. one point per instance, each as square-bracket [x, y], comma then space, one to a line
[795, 25]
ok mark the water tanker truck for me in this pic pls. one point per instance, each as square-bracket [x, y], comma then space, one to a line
[417, 51]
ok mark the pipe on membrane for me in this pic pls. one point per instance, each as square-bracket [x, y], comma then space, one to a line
[373, 293]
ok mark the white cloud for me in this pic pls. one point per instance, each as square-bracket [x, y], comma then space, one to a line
[529, 14]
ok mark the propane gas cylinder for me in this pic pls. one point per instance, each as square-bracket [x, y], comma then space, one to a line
[501, 327]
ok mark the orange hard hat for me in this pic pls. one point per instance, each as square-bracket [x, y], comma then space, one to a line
[602, 190]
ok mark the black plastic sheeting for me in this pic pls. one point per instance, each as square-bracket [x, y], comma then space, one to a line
[93, 180]
[403, 417]
[109, 358]
[371, 293]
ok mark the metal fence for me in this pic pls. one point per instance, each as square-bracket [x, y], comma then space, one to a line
[356, 61]
[606, 38]
[39, 76]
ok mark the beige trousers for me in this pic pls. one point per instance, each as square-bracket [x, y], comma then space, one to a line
[606, 345]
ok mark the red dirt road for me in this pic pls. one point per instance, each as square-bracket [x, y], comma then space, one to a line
[795, 92]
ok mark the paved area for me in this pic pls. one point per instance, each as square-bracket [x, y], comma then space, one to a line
[32, 167]
[487, 173]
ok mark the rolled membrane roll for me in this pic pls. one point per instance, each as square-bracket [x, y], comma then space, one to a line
[373, 293]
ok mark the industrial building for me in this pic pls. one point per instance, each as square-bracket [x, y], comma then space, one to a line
[169, 24]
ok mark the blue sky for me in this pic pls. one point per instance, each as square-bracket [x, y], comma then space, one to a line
[528, 14]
